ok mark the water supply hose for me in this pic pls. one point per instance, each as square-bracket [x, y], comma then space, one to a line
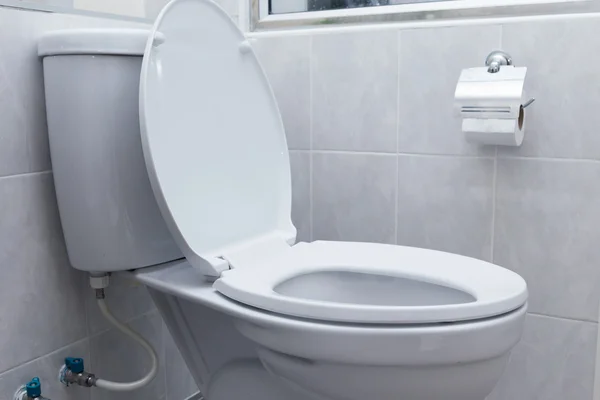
[126, 386]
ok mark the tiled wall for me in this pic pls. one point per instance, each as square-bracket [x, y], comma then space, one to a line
[47, 310]
[377, 155]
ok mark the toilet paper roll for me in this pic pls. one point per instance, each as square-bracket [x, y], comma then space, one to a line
[505, 132]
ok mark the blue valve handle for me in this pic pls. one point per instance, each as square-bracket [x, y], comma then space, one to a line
[34, 388]
[74, 364]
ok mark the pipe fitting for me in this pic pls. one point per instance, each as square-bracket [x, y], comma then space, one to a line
[73, 373]
[32, 390]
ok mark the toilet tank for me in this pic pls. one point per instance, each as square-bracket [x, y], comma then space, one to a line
[109, 215]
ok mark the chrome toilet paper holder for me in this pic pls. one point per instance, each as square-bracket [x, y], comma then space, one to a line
[497, 59]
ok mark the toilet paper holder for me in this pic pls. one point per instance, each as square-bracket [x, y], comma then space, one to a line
[491, 101]
[497, 59]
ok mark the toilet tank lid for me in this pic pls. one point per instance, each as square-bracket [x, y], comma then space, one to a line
[93, 41]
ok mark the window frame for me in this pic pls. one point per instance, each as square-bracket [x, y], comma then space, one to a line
[260, 20]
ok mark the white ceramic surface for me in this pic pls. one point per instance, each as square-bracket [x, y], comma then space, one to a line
[372, 283]
[460, 361]
[213, 139]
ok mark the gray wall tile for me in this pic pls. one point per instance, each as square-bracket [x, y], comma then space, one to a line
[153, 7]
[354, 91]
[231, 7]
[179, 381]
[13, 152]
[548, 230]
[430, 63]
[560, 70]
[300, 165]
[354, 197]
[287, 64]
[126, 298]
[41, 304]
[22, 105]
[23, 134]
[117, 357]
[446, 204]
[46, 368]
[554, 361]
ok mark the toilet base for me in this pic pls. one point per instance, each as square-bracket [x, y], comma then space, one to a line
[321, 361]
[471, 381]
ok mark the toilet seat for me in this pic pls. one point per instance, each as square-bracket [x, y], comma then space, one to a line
[373, 283]
[218, 163]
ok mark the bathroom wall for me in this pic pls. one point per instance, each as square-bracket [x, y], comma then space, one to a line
[47, 310]
[377, 155]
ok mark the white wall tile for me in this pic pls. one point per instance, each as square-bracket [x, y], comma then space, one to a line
[300, 165]
[286, 61]
[430, 64]
[354, 197]
[46, 368]
[22, 106]
[153, 7]
[67, 4]
[132, 8]
[23, 132]
[446, 203]
[548, 230]
[13, 149]
[179, 381]
[41, 304]
[554, 361]
[562, 72]
[354, 91]
[231, 7]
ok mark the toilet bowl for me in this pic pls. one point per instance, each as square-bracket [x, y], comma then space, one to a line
[329, 320]
[248, 379]
[321, 359]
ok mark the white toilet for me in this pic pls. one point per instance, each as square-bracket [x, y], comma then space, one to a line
[209, 179]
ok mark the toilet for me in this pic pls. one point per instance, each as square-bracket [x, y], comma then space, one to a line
[170, 160]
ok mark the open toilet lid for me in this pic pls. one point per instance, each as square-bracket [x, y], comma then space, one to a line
[212, 135]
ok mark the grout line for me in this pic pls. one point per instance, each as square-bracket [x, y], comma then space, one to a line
[495, 176]
[501, 42]
[126, 322]
[49, 354]
[86, 317]
[494, 181]
[489, 157]
[563, 318]
[376, 153]
[596, 387]
[397, 199]
[25, 174]
[398, 68]
[388, 153]
[163, 355]
[310, 140]
[397, 182]
[559, 159]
